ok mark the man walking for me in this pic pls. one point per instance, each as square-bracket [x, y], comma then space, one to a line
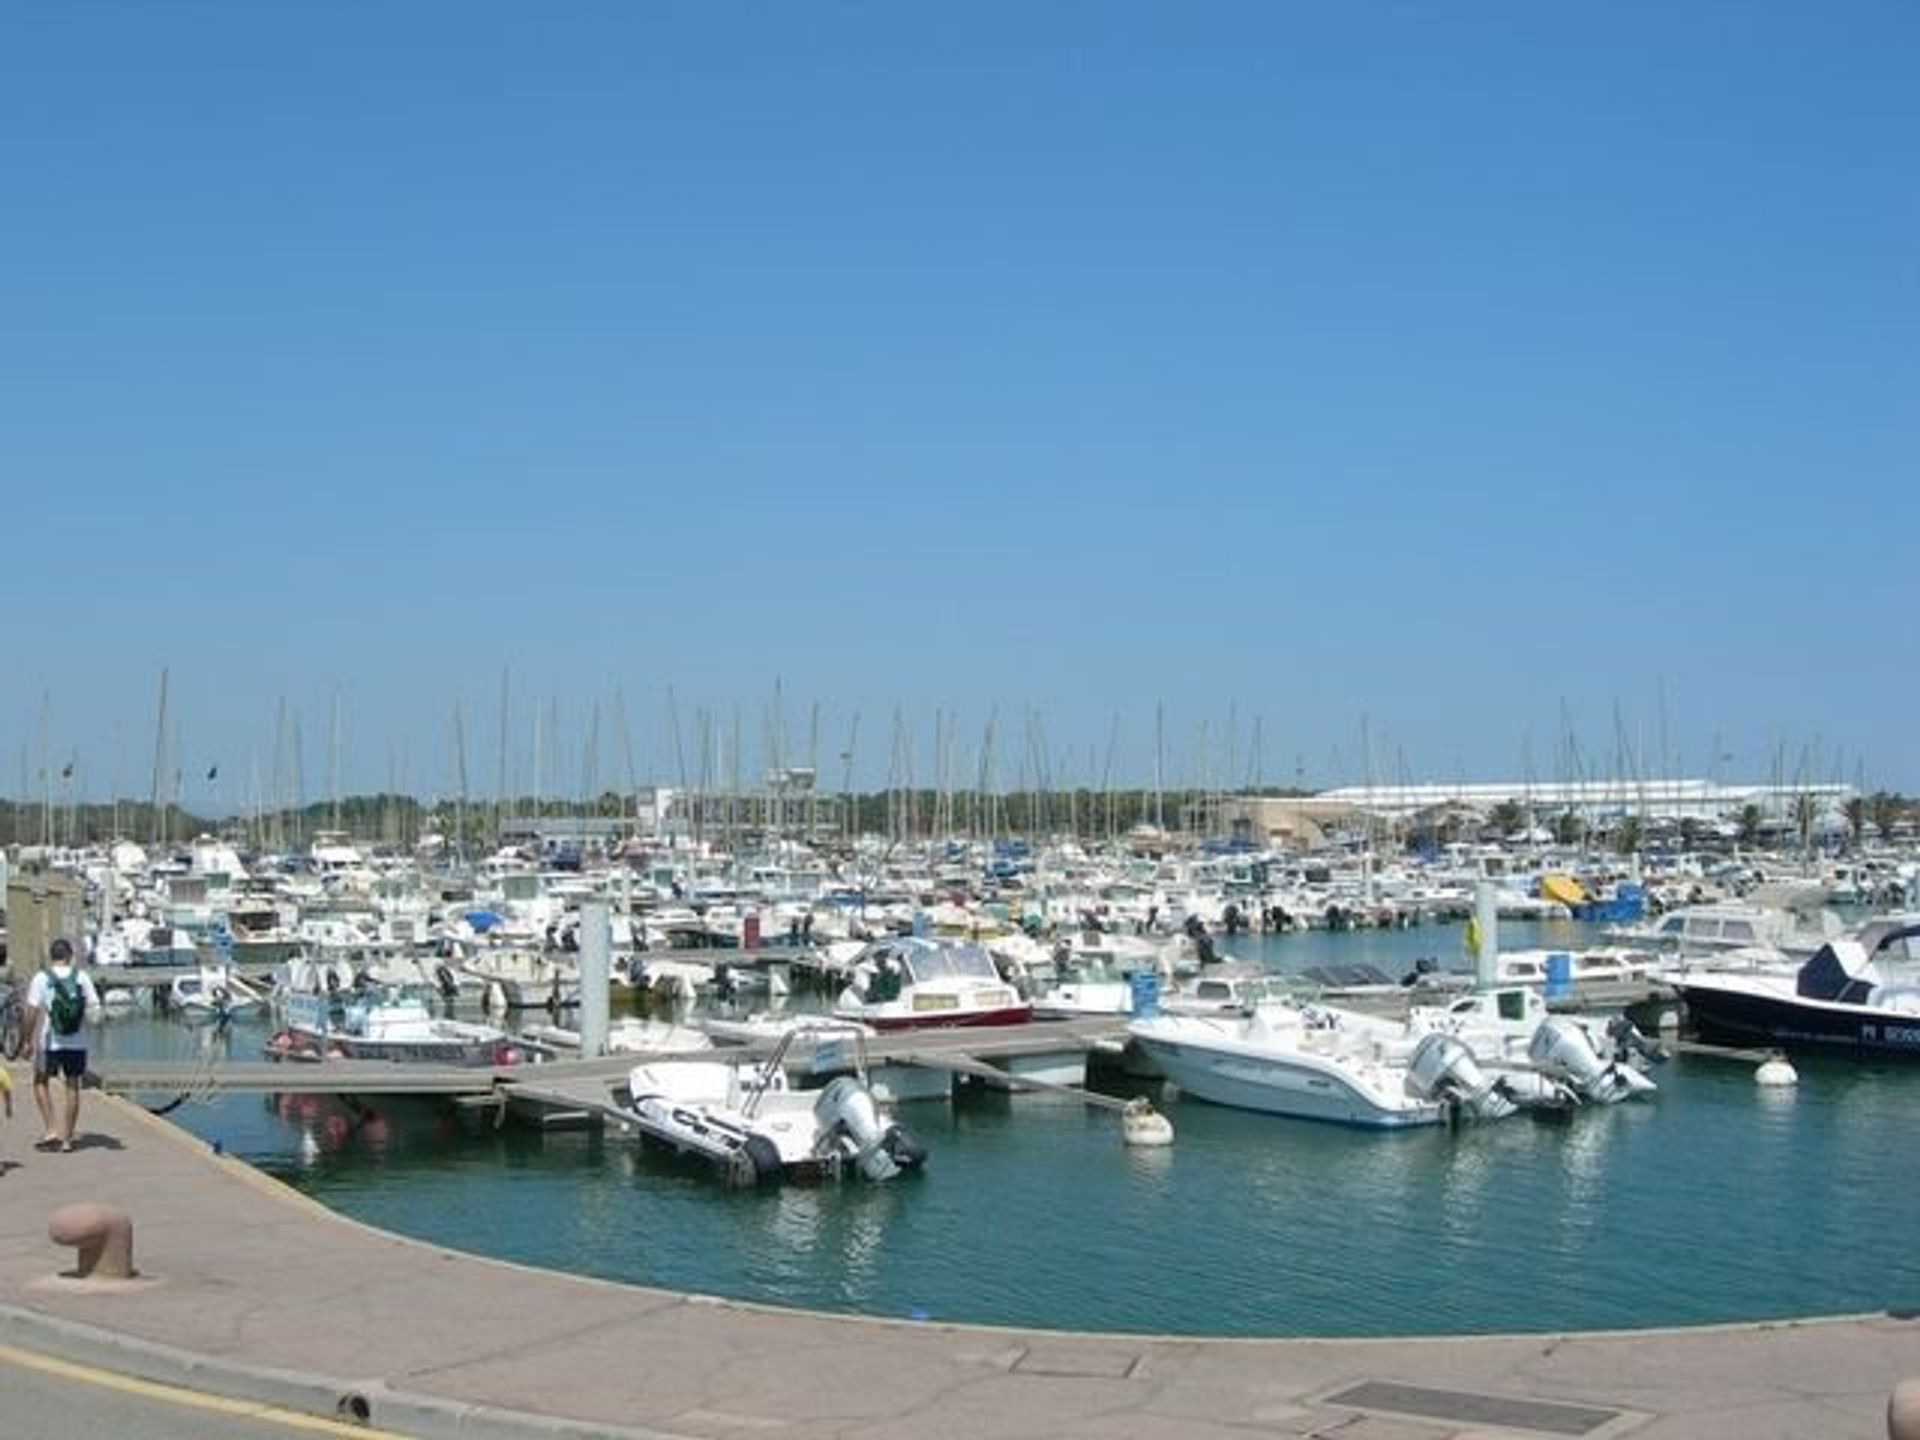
[60, 999]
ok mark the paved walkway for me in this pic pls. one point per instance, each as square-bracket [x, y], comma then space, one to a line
[253, 1290]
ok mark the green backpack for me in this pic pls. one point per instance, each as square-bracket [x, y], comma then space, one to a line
[67, 1008]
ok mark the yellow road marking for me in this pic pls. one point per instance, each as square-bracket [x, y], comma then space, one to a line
[175, 1395]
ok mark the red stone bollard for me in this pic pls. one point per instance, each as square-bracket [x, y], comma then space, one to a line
[103, 1235]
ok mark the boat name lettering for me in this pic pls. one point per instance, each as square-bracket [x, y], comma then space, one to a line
[1892, 1034]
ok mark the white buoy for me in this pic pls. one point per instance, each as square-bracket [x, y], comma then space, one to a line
[1776, 1070]
[1667, 1021]
[1141, 1124]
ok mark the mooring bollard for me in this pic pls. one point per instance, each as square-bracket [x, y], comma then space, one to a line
[102, 1234]
[1903, 1411]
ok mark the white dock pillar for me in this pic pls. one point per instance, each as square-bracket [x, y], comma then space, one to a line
[1486, 919]
[596, 950]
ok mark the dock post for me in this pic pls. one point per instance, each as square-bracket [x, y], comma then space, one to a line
[596, 945]
[1486, 919]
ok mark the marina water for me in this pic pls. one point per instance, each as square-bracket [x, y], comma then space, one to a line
[1718, 1200]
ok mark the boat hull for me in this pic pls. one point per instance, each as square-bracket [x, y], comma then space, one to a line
[1741, 1018]
[1279, 1087]
[944, 1019]
[302, 1045]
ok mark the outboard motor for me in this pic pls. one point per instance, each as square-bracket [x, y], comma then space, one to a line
[1630, 1042]
[1563, 1049]
[881, 1149]
[1443, 1069]
[905, 1148]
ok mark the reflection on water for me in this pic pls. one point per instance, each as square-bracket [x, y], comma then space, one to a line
[1717, 1200]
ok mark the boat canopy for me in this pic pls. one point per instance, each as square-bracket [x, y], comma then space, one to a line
[1840, 970]
[1843, 970]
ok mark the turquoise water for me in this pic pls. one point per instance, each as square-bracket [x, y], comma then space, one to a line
[1716, 1201]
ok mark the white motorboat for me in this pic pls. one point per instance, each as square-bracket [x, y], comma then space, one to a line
[1784, 918]
[1068, 983]
[912, 983]
[522, 979]
[1317, 1063]
[769, 1027]
[1227, 987]
[629, 1035]
[1607, 965]
[666, 980]
[392, 1024]
[750, 1124]
[213, 992]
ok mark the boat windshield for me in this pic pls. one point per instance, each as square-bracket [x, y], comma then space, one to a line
[947, 962]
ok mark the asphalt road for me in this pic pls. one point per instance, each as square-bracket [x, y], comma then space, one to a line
[47, 1398]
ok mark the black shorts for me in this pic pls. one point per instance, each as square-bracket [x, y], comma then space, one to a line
[70, 1063]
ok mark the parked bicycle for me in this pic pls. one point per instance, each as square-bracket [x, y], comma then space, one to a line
[13, 1021]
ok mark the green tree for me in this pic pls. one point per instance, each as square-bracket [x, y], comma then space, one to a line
[1750, 822]
[1885, 809]
[1805, 809]
[1628, 836]
[1506, 817]
[1857, 818]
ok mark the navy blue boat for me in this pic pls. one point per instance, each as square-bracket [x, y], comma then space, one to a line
[1850, 996]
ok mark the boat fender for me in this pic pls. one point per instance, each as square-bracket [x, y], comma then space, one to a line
[1142, 1125]
[1776, 1070]
[756, 1162]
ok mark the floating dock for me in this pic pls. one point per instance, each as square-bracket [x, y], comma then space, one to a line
[914, 1064]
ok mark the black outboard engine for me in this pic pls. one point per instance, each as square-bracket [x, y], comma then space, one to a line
[1629, 1040]
[905, 1148]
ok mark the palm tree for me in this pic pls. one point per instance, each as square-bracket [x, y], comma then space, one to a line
[1750, 822]
[1885, 809]
[1627, 838]
[1857, 818]
[1805, 808]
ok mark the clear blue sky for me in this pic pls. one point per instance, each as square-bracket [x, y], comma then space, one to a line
[1445, 369]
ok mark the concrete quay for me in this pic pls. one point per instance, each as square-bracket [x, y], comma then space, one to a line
[248, 1289]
